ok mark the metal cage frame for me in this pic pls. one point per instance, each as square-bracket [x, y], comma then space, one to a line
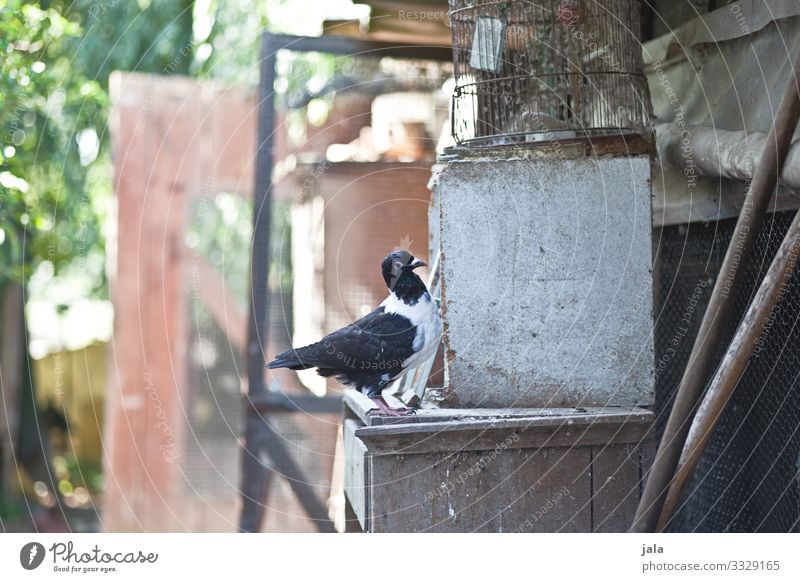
[547, 69]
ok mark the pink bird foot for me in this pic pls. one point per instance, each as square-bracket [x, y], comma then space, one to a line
[385, 409]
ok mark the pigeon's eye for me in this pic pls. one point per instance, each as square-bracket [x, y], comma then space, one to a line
[398, 265]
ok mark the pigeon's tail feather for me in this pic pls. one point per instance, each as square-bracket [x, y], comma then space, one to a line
[285, 363]
[292, 359]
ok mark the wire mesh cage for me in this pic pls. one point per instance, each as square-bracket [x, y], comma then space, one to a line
[748, 479]
[531, 71]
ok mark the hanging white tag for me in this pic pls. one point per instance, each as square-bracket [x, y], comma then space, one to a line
[488, 44]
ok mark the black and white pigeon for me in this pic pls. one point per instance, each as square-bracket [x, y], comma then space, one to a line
[368, 354]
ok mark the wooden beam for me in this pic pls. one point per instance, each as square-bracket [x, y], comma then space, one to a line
[283, 464]
[255, 472]
[344, 45]
[306, 403]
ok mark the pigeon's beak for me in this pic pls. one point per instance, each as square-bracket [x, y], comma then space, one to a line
[417, 263]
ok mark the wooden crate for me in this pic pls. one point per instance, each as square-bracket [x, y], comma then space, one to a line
[491, 470]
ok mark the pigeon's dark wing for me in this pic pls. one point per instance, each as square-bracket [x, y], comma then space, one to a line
[374, 346]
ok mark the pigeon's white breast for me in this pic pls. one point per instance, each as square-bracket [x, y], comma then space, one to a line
[424, 315]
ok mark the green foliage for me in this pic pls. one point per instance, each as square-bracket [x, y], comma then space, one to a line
[55, 60]
[233, 39]
[233, 45]
[132, 35]
[45, 212]
[54, 105]
[78, 473]
[9, 510]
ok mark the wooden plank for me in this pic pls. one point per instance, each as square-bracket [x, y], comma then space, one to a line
[482, 434]
[615, 474]
[342, 45]
[360, 405]
[355, 477]
[473, 491]
[232, 120]
[144, 426]
[351, 523]
[124, 401]
[162, 309]
[570, 414]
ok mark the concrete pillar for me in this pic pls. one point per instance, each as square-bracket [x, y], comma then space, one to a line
[547, 278]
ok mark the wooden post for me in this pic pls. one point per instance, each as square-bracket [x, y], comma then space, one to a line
[11, 311]
[254, 468]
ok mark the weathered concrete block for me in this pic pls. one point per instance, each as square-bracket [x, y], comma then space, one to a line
[547, 282]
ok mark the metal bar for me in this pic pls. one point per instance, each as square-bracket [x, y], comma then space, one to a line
[719, 307]
[345, 45]
[733, 365]
[255, 492]
[254, 472]
[260, 438]
[284, 465]
[280, 402]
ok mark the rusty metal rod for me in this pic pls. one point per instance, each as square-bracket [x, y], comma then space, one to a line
[733, 365]
[719, 307]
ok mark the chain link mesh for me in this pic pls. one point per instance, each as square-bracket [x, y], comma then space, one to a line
[748, 479]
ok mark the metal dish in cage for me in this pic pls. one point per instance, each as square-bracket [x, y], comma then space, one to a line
[532, 71]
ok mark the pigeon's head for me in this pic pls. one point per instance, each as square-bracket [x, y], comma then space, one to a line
[397, 264]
